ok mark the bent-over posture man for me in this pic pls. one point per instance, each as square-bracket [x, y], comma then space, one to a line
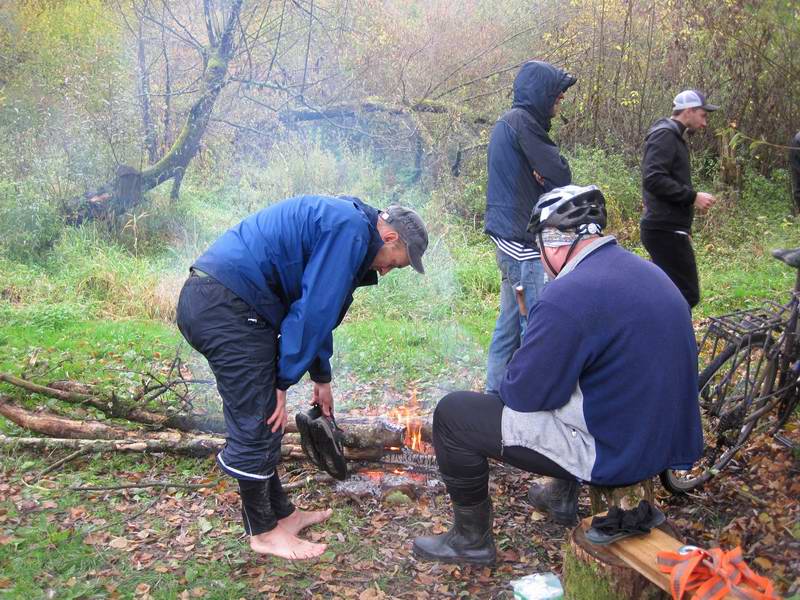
[669, 198]
[602, 390]
[523, 163]
[261, 305]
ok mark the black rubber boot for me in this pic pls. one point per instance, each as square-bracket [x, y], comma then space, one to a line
[469, 541]
[557, 498]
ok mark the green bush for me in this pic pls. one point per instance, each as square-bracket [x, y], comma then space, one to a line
[295, 165]
[620, 184]
[746, 218]
[29, 225]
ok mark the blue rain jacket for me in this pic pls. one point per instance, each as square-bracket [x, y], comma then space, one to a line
[297, 264]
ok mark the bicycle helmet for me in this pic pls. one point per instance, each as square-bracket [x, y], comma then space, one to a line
[572, 207]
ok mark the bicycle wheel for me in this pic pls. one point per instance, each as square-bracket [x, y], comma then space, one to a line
[731, 396]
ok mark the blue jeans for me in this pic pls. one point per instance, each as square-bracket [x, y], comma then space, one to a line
[510, 326]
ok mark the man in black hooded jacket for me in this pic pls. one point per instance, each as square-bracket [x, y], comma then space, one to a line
[669, 198]
[794, 168]
[523, 163]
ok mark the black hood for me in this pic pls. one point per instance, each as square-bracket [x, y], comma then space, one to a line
[536, 88]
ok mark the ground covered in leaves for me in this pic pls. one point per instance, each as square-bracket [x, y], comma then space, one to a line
[186, 541]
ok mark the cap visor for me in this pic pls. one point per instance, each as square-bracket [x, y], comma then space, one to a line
[710, 107]
[416, 263]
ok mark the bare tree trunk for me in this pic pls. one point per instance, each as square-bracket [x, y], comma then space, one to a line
[125, 192]
[144, 99]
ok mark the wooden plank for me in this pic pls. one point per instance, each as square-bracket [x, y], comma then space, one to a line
[639, 553]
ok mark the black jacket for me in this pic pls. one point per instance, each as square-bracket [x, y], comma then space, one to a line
[519, 144]
[667, 179]
[794, 168]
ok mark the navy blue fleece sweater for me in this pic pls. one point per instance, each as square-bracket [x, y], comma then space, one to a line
[608, 366]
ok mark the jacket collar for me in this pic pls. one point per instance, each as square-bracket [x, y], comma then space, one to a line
[366, 275]
[586, 251]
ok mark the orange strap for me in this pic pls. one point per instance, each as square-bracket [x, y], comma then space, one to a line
[713, 574]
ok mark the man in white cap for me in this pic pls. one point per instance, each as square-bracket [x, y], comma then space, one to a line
[669, 198]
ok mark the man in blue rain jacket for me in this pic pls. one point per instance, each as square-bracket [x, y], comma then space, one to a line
[261, 305]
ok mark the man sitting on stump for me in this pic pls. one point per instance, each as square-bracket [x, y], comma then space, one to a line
[603, 389]
[261, 305]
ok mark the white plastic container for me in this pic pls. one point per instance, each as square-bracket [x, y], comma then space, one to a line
[539, 586]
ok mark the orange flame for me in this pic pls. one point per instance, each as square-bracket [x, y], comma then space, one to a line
[409, 417]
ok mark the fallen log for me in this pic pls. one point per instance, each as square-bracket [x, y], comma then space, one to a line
[198, 446]
[56, 426]
[79, 393]
[360, 432]
[61, 428]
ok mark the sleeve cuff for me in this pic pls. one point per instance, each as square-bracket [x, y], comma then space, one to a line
[320, 371]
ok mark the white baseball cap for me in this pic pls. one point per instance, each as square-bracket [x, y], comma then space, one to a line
[692, 99]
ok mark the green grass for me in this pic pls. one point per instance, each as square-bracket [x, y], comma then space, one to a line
[583, 581]
[41, 344]
[734, 277]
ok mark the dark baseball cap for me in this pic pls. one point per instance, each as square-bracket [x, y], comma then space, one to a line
[409, 226]
[692, 99]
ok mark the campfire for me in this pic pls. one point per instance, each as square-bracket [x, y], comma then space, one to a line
[410, 418]
[408, 465]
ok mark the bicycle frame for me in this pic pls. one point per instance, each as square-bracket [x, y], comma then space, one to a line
[779, 326]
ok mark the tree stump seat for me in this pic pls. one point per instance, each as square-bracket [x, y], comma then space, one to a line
[592, 571]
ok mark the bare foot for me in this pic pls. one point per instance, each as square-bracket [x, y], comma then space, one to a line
[280, 542]
[300, 519]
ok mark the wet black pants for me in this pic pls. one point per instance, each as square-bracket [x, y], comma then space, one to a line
[241, 349]
[467, 432]
[263, 504]
[673, 253]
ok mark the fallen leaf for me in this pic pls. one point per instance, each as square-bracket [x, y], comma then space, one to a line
[371, 593]
[119, 543]
[204, 525]
[764, 563]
